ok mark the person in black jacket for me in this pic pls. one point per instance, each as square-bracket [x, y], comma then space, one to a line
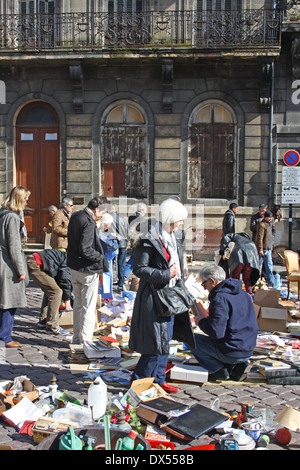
[48, 268]
[86, 260]
[229, 219]
[158, 260]
[229, 326]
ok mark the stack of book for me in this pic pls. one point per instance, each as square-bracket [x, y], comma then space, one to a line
[278, 372]
[152, 410]
[105, 346]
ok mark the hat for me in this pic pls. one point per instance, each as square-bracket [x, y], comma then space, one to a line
[268, 214]
[171, 211]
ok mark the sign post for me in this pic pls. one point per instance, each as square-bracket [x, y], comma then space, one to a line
[290, 185]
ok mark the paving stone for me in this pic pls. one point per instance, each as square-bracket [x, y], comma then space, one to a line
[44, 355]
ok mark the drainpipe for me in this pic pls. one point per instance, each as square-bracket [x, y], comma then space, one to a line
[271, 137]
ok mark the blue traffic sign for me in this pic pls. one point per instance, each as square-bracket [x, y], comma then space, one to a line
[291, 158]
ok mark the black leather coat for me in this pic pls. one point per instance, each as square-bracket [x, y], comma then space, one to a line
[149, 332]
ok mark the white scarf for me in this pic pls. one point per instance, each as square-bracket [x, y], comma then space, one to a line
[169, 242]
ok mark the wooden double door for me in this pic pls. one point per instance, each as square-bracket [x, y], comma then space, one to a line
[38, 169]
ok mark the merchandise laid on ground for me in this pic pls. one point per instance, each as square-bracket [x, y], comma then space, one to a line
[117, 414]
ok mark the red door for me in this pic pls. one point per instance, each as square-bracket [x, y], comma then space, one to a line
[38, 170]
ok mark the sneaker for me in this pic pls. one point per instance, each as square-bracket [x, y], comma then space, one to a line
[58, 331]
[42, 323]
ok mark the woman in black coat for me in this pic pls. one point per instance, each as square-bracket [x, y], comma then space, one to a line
[158, 260]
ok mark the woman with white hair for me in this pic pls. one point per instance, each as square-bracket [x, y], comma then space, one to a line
[110, 245]
[158, 260]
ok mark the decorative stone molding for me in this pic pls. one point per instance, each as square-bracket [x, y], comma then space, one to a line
[167, 80]
[265, 86]
[76, 75]
[296, 57]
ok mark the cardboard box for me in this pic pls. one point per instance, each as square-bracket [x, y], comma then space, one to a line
[139, 386]
[45, 427]
[271, 316]
[2, 407]
[29, 391]
[267, 298]
[189, 373]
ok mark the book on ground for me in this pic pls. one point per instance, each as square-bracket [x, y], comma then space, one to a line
[193, 424]
[93, 350]
[165, 406]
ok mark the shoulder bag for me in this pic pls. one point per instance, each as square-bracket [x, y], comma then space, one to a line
[172, 300]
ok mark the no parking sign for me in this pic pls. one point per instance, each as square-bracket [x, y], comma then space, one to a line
[291, 158]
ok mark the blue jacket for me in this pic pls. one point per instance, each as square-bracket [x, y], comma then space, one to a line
[232, 320]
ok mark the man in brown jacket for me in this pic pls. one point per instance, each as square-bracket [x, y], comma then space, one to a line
[60, 222]
[264, 245]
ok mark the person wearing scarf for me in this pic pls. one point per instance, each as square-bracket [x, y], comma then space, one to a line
[158, 260]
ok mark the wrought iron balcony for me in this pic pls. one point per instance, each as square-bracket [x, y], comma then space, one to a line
[140, 30]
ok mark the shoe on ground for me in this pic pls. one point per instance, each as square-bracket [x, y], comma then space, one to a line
[237, 372]
[13, 344]
[42, 323]
[169, 388]
[221, 374]
[58, 331]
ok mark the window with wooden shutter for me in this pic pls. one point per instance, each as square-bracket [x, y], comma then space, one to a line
[211, 162]
[124, 159]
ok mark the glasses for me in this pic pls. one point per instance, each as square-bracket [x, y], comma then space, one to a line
[204, 282]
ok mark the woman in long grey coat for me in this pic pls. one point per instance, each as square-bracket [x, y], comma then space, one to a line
[13, 270]
[158, 260]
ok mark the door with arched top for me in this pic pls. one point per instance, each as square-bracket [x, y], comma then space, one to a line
[38, 164]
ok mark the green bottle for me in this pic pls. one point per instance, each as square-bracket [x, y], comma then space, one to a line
[128, 441]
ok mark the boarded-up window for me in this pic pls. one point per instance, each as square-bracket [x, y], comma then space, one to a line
[124, 152]
[211, 166]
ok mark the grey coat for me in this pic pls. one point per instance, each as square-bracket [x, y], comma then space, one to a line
[12, 261]
[243, 252]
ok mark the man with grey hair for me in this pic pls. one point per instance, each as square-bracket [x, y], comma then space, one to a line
[51, 211]
[229, 324]
[60, 222]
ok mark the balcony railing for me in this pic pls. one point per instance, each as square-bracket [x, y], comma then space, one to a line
[140, 30]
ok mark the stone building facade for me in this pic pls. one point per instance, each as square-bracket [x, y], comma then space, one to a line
[145, 99]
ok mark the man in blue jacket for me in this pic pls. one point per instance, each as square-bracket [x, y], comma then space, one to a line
[230, 326]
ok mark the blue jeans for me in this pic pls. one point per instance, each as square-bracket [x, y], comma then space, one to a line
[209, 356]
[128, 267]
[268, 266]
[154, 365]
[121, 260]
[7, 318]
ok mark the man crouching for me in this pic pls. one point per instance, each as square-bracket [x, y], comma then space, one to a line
[230, 325]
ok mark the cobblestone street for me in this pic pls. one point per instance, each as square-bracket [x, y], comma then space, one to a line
[43, 355]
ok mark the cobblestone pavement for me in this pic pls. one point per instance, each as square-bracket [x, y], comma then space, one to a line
[43, 355]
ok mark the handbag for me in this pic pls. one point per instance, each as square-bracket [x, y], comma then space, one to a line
[172, 300]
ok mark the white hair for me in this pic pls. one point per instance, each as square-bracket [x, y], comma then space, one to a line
[171, 211]
[106, 219]
[141, 206]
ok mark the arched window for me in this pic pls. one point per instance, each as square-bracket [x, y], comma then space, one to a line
[211, 163]
[124, 159]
